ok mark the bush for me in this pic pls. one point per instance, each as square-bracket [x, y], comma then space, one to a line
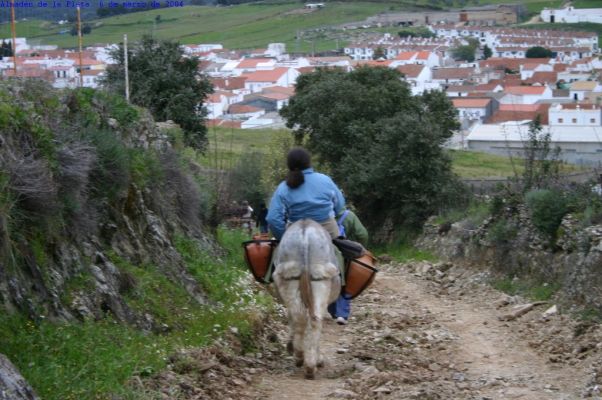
[502, 232]
[111, 174]
[547, 208]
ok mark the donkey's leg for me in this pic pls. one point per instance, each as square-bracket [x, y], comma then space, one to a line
[313, 357]
[298, 324]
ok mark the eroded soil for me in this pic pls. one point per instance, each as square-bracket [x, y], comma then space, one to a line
[422, 331]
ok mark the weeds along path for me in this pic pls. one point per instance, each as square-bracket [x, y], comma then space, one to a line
[434, 332]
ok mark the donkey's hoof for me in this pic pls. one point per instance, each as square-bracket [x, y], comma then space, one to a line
[299, 363]
[310, 373]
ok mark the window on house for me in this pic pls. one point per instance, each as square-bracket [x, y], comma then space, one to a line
[560, 120]
[592, 120]
[574, 120]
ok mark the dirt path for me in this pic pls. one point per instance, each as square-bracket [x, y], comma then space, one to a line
[422, 332]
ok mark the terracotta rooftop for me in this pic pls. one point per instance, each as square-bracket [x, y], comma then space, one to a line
[243, 109]
[279, 89]
[525, 90]
[452, 73]
[470, 102]
[266, 76]
[504, 115]
[543, 77]
[230, 83]
[411, 70]
[252, 62]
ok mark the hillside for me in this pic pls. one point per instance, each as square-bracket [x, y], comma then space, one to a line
[103, 218]
[249, 25]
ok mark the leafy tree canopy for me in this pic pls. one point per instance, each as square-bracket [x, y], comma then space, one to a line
[166, 83]
[538, 52]
[382, 144]
[464, 53]
[487, 52]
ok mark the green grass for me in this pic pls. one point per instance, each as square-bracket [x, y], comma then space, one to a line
[241, 26]
[586, 3]
[227, 145]
[471, 164]
[95, 359]
[536, 291]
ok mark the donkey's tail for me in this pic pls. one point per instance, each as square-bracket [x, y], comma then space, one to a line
[307, 295]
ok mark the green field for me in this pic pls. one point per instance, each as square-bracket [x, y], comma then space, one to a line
[226, 145]
[243, 26]
[237, 27]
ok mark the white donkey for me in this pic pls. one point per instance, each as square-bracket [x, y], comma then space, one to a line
[307, 280]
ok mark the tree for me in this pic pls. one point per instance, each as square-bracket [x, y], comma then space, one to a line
[86, 29]
[158, 19]
[382, 144]
[487, 53]
[379, 53]
[464, 53]
[166, 83]
[538, 52]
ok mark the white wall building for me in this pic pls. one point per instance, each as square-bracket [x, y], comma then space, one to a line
[575, 115]
[578, 145]
[571, 15]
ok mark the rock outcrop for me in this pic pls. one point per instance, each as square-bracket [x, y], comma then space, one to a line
[12, 384]
[574, 262]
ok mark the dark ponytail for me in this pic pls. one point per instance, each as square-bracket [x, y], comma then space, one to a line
[297, 160]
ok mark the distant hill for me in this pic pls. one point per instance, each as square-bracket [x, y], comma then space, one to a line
[250, 25]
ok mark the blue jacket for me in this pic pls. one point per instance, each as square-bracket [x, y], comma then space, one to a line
[318, 198]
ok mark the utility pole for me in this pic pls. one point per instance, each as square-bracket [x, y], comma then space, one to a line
[14, 33]
[125, 64]
[79, 39]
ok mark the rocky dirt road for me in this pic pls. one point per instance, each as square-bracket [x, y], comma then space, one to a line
[424, 331]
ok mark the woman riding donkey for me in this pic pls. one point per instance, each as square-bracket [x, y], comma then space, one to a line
[306, 267]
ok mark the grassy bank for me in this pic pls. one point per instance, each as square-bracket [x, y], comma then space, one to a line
[95, 359]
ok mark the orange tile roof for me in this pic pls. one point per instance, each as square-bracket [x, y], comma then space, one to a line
[423, 55]
[543, 77]
[511, 63]
[487, 87]
[525, 90]
[243, 109]
[92, 72]
[276, 96]
[252, 62]
[231, 83]
[279, 89]
[452, 73]
[411, 70]
[266, 76]
[504, 115]
[470, 103]
[306, 70]
[406, 55]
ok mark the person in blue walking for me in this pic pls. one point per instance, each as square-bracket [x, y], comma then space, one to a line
[351, 228]
[262, 223]
[304, 194]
